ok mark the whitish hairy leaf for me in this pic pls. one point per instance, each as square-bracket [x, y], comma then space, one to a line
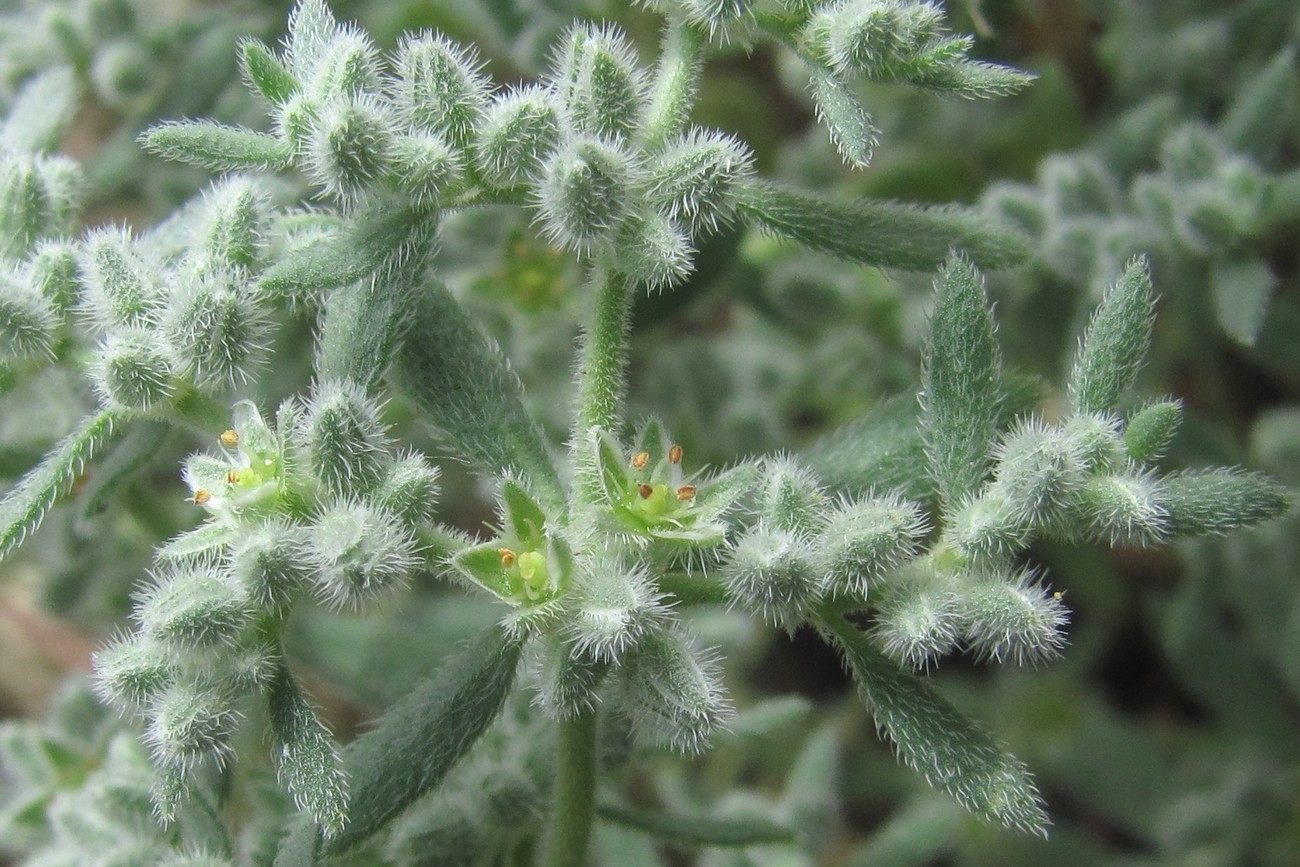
[1208, 502]
[962, 384]
[696, 830]
[1242, 290]
[26, 504]
[41, 112]
[881, 450]
[463, 385]
[1116, 341]
[216, 147]
[264, 71]
[934, 738]
[304, 753]
[885, 234]
[420, 738]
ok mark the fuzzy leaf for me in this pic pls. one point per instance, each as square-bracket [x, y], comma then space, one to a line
[365, 320]
[881, 450]
[696, 830]
[848, 122]
[265, 72]
[885, 234]
[1115, 343]
[41, 112]
[935, 739]
[143, 443]
[418, 740]
[1242, 290]
[1262, 109]
[962, 384]
[461, 383]
[304, 753]
[26, 503]
[203, 539]
[1210, 502]
[216, 147]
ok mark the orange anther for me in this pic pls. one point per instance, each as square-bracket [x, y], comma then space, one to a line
[201, 496]
[644, 490]
[232, 477]
[507, 557]
[686, 493]
[229, 439]
[640, 460]
[675, 454]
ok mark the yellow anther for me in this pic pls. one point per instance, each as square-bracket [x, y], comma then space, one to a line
[507, 557]
[229, 439]
[232, 477]
[201, 496]
[644, 490]
[640, 460]
[686, 493]
[1058, 595]
[675, 454]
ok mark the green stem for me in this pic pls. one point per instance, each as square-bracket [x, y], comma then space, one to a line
[600, 374]
[573, 804]
[675, 82]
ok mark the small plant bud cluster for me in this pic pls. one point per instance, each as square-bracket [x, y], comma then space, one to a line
[806, 549]
[320, 503]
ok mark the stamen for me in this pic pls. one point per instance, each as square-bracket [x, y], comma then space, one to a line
[644, 490]
[229, 439]
[686, 493]
[675, 454]
[201, 496]
[507, 557]
[640, 460]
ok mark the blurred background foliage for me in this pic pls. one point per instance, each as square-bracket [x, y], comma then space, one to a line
[1170, 732]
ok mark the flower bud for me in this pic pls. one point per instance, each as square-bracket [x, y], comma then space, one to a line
[1095, 439]
[519, 131]
[988, 527]
[38, 199]
[791, 498]
[864, 539]
[346, 66]
[53, 271]
[773, 573]
[585, 192]
[694, 180]
[440, 88]
[194, 606]
[918, 621]
[216, 329]
[874, 38]
[597, 77]
[132, 371]
[717, 15]
[424, 167]
[359, 553]
[131, 671]
[121, 286]
[409, 490]
[653, 250]
[1127, 508]
[351, 146]
[672, 694]
[270, 564]
[1016, 619]
[234, 221]
[346, 441]
[28, 323]
[1150, 430]
[192, 722]
[612, 609]
[1037, 471]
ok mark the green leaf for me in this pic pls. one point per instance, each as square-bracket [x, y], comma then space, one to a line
[1115, 343]
[1210, 502]
[881, 450]
[25, 505]
[203, 539]
[885, 234]
[216, 147]
[523, 516]
[482, 565]
[848, 122]
[962, 384]
[417, 742]
[304, 753]
[265, 73]
[365, 319]
[461, 383]
[1150, 429]
[1262, 110]
[935, 739]
[974, 79]
[41, 112]
[1241, 289]
[139, 446]
[696, 830]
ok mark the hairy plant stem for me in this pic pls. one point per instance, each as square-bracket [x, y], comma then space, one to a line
[573, 803]
[600, 371]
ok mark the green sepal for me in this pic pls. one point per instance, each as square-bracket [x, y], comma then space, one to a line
[962, 384]
[1150, 429]
[849, 124]
[523, 516]
[935, 739]
[884, 234]
[203, 539]
[482, 565]
[304, 753]
[217, 147]
[25, 504]
[265, 72]
[612, 467]
[729, 832]
[720, 493]
[1211, 502]
[419, 739]
[1115, 343]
